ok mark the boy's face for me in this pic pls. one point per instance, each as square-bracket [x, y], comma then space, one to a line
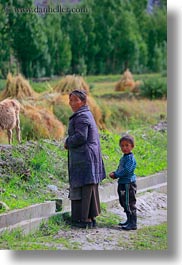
[126, 147]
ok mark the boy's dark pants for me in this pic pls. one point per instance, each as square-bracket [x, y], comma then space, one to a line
[127, 198]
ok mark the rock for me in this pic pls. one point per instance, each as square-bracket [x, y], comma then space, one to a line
[52, 187]
[4, 205]
[161, 126]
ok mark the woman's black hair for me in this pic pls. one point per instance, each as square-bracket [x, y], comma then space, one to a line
[81, 94]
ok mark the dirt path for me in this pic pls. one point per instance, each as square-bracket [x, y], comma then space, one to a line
[152, 210]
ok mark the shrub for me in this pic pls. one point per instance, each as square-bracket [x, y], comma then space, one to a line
[154, 88]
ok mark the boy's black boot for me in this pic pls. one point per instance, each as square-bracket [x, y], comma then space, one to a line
[128, 215]
[132, 225]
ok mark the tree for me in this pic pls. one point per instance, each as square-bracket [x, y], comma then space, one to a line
[28, 39]
[129, 48]
[91, 47]
[58, 44]
[113, 35]
[155, 35]
[5, 43]
[73, 26]
[104, 17]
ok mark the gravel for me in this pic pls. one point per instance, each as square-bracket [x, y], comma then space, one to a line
[152, 210]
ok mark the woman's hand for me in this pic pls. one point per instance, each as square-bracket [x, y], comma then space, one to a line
[65, 146]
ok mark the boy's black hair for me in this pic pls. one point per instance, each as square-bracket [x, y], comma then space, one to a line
[127, 138]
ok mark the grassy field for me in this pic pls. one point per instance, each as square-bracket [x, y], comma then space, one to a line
[26, 181]
[121, 113]
[27, 171]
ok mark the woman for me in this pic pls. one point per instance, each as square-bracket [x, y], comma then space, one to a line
[85, 165]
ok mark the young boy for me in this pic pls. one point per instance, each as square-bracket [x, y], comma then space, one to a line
[127, 182]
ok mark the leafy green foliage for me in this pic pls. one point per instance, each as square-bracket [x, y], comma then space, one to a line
[154, 88]
[82, 43]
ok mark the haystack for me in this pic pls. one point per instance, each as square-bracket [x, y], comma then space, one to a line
[17, 87]
[126, 83]
[45, 124]
[69, 83]
[64, 100]
[94, 108]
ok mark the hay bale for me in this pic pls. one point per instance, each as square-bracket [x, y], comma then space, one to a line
[126, 83]
[70, 83]
[17, 87]
[60, 99]
[44, 122]
[3, 137]
[94, 108]
[127, 75]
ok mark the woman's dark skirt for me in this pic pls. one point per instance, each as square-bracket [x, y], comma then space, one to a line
[85, 202]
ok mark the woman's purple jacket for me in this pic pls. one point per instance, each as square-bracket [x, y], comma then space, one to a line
[85, 164]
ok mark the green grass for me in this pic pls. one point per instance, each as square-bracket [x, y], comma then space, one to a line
[150, 151]
[48, 238]
[107, 219]
[122, 115]
[148, 238]
[145, 238]
[44, 239]
[116, 77]
[103, 85]
[2, 84]
[94, 81]
[47, 164]
[40, 87]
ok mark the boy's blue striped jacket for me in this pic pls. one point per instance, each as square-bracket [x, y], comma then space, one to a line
[125, 171]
